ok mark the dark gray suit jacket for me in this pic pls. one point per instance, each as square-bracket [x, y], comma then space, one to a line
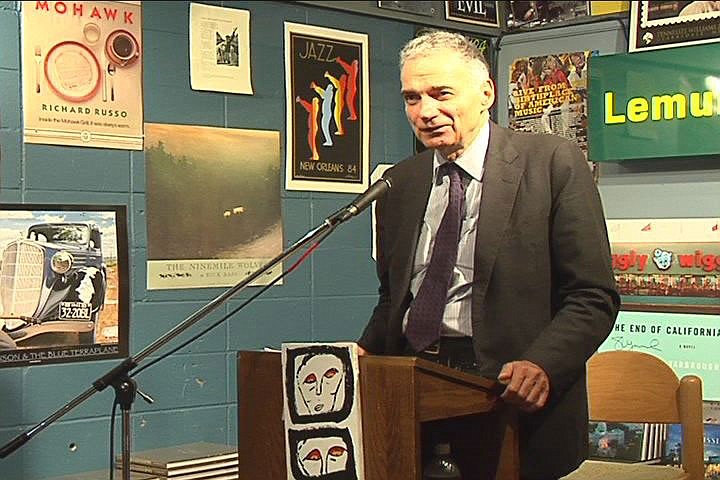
[543, 287]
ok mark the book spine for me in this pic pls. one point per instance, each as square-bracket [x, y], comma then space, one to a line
[162, 472]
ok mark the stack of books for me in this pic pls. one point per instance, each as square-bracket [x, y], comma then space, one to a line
[193, 461]
[104, 475]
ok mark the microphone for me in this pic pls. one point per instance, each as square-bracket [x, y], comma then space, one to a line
[361, 202]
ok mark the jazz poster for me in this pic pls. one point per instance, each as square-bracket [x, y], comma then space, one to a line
[655, 25]
[82, 74]
[64, 294]
[327, 106]
[548, 94]
[219, 49]
[213, 205]
[321, 413]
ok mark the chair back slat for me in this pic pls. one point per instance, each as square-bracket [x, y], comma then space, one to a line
[636, 387]
[616, 395]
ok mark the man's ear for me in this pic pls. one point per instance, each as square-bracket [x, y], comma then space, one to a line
[487, 93]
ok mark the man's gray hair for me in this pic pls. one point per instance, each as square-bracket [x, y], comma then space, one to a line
[431, 40]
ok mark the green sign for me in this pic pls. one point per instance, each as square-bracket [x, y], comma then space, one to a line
[662, 103]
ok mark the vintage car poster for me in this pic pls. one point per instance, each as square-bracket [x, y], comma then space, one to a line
[213, 205]
[64, 288]
[667, 265]
[82, 74]
[219, 49]
[321, 411]
[655, 25]
[327, 104]
[548, 94]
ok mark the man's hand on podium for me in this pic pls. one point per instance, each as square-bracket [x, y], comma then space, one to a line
[362, 351]
[527, 385]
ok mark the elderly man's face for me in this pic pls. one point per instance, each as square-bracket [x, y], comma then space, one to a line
[446, 100]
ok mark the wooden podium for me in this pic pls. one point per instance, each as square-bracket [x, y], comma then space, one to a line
[405, 402]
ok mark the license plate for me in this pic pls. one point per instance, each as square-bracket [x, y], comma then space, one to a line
[74, 311]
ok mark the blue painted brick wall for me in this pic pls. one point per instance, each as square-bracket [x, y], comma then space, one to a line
[329, 298]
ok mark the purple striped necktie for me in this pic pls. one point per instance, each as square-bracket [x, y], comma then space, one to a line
[427, 309]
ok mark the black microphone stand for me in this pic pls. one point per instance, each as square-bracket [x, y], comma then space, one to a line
[126, 388]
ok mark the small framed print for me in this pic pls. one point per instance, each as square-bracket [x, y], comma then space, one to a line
[476, 12]
[656, 25]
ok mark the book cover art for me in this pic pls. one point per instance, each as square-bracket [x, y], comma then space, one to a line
[618, 441]
[711, 449]
[711, 411]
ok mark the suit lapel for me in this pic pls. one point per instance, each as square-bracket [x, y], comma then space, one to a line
[503, 171]
[411, 211]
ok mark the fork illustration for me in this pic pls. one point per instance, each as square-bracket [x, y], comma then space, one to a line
[38, 58]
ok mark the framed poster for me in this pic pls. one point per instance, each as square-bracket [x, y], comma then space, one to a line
[655, 25]
[548, 94]
[82, 74]
[415, 7]
[667, 265]
[477, 12]
[64, 283]
[328, 115]
[534, 14]
[213, 205]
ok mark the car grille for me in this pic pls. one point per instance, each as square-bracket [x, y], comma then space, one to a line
[21, 279]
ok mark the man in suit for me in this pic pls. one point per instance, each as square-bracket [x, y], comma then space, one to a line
[531, 294]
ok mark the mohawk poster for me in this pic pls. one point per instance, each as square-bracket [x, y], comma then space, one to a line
[327, 104]
[213, 205]
[82, 74]
[548, 94]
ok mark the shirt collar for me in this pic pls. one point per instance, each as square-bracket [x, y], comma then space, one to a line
[472, 159]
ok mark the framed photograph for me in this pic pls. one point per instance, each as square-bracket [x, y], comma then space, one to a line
[478, 12]
[64, 283]
[655, 25]
[667, 265]
[415, 7]
[328, 112]
[527, 15]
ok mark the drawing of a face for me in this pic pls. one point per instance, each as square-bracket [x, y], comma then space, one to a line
[662, 258]
[320, 380]
[322, 456]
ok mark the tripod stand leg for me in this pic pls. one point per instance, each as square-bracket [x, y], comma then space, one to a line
[125, 390]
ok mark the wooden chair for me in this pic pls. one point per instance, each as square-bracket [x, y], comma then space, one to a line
[631, 386]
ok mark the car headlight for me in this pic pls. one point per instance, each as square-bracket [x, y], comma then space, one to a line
[61, 262]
